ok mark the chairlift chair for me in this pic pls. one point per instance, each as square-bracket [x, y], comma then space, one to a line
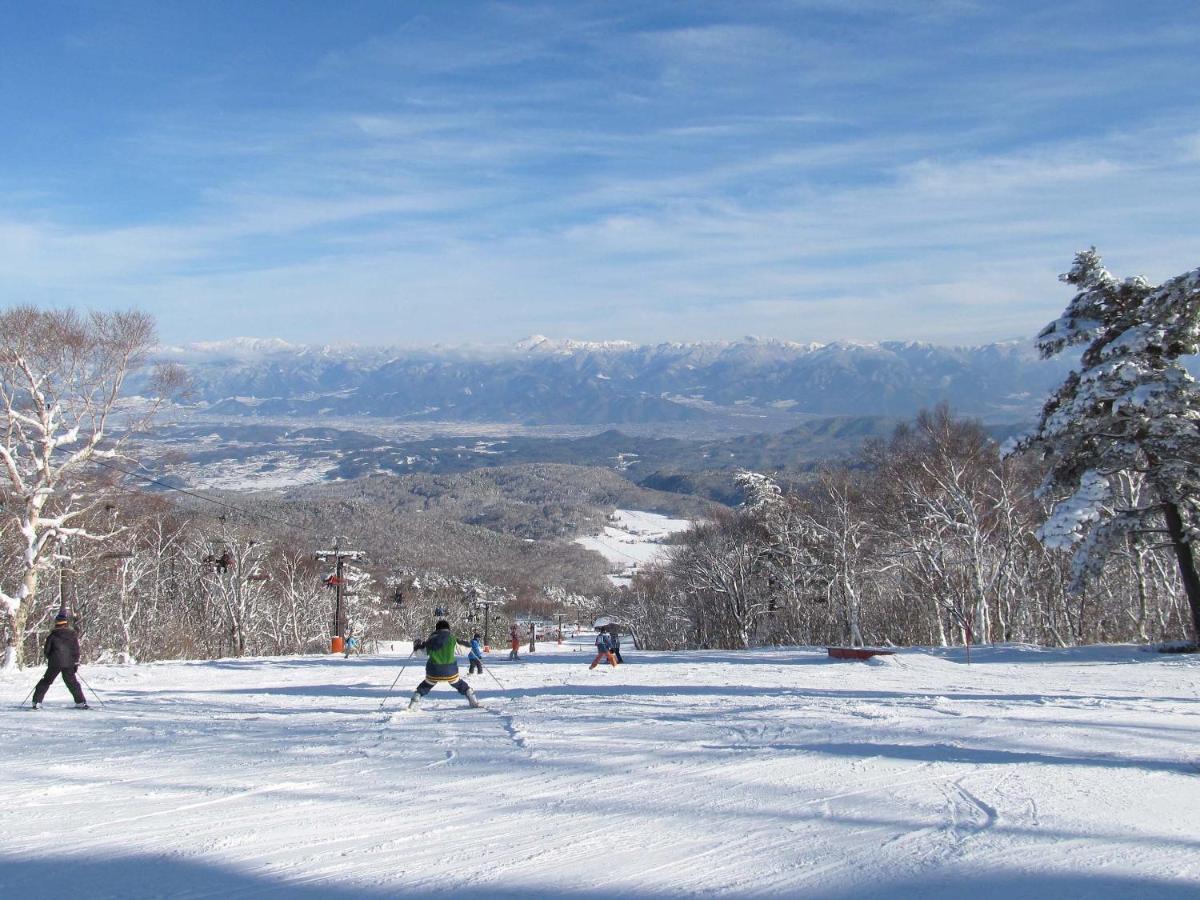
[221, 561]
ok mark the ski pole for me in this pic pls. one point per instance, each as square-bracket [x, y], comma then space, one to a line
[494, 678]
[27, 696]
[95, 693]
[388, 695]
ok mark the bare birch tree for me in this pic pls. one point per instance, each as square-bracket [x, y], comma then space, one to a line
[61, 381]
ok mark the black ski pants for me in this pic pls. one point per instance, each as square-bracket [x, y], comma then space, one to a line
[475, 666]
[426, 686]
[68, 677]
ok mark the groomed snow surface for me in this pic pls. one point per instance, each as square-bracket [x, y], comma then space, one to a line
[1029, 773]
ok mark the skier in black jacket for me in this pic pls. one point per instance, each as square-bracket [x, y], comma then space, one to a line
[62, 657]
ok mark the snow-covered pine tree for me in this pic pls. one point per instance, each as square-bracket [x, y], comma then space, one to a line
[1129, 409]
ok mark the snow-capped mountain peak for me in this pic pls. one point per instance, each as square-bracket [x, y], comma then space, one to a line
[238, 348]
[541, 344]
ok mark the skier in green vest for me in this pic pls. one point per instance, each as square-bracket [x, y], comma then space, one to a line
[442, 665]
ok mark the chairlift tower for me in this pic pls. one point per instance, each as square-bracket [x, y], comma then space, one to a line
[338, 556]
[487, 618]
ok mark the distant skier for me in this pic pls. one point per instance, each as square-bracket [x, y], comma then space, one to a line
[603, 650]
[442, 665]
[62, 657]
[614, 639]
[514, 637]
[475, 657]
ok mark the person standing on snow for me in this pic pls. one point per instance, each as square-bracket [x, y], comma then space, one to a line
[442, 666]
[603, 650]
[62, 657]
[475, 657]
[614, 640]
[514, 636]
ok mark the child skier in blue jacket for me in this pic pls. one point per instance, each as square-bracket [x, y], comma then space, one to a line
[475, 656]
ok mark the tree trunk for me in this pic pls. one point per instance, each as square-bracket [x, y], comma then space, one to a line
[1187, 563]
[1139, 574]
[939, 617]
[14, 651]
[14, 648]
[853, 628]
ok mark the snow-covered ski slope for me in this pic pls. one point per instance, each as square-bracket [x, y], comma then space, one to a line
[632, 538]
[1030, 773]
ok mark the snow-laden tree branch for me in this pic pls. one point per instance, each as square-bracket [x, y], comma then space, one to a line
[61, 381]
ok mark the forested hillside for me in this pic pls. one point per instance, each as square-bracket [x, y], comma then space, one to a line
[511, 525]
[929, 537]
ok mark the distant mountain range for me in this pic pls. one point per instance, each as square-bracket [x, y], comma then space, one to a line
[546, 382]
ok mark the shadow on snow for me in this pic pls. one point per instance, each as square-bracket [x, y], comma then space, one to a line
[146, 876]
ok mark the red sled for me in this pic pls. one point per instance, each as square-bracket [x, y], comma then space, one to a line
[857, 652]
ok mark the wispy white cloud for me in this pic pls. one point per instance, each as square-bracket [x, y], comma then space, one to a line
[931, 250]
[992, 175]
[785, 170]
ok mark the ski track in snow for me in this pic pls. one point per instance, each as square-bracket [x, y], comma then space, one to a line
[1031, 773]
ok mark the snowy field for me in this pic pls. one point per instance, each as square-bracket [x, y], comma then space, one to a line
[1030, 773]
[262, 472]
[631, 539]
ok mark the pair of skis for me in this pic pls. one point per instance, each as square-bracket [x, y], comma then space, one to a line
[95, 693]
[396, 680]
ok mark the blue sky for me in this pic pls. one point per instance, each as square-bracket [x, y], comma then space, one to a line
[463, 172]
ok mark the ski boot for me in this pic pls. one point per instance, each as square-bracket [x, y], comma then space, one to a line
[472, 699]
[36, 706]
[82, 706]
[414, 700]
